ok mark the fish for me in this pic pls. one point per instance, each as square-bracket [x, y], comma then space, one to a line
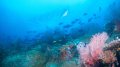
[54, 41]
[67, 26]
[65, 13]
[75, 21]
[80, 30]
[85, 14]
[59, 40]
[90, 19]
[61, 23]
[95, 16]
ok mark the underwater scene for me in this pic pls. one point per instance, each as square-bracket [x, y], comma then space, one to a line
[59, 33]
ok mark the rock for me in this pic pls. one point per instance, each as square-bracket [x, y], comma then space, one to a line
[52, 64]
[70, 64]
[31, 58]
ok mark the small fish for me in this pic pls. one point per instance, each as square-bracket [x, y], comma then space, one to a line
[80, 30]
[85, 14]
[75, 21]
[65, 13]
[60, 40]
[95, 16]
[67, 26]
[60, 23]
[54, 41]
[90, 19]
[79, 22]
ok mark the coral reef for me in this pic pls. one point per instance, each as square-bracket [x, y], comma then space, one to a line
[96, 53]
[113, 45]
[90, 54]
[32, 58]
[108, 56]
[109, 28]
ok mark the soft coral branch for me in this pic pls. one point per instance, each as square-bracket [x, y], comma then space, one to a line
[108, 57]
[96, 44]
[91, 53]
[113, 45]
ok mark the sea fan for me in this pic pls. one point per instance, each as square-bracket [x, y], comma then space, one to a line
[91, 53]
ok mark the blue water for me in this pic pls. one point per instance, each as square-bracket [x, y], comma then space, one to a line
[20, 16]
[31, 20]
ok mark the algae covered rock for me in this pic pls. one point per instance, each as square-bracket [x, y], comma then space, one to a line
[70, 64]
[31, 58]
[14, 61]
[52, 64]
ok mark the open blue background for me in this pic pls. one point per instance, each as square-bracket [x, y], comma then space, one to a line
[18, 17]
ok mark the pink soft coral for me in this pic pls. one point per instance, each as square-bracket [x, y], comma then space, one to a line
[96, 44]
[91, 53]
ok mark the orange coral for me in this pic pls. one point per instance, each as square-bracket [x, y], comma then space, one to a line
[113, 45]
[65, 53]
[108, 56]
